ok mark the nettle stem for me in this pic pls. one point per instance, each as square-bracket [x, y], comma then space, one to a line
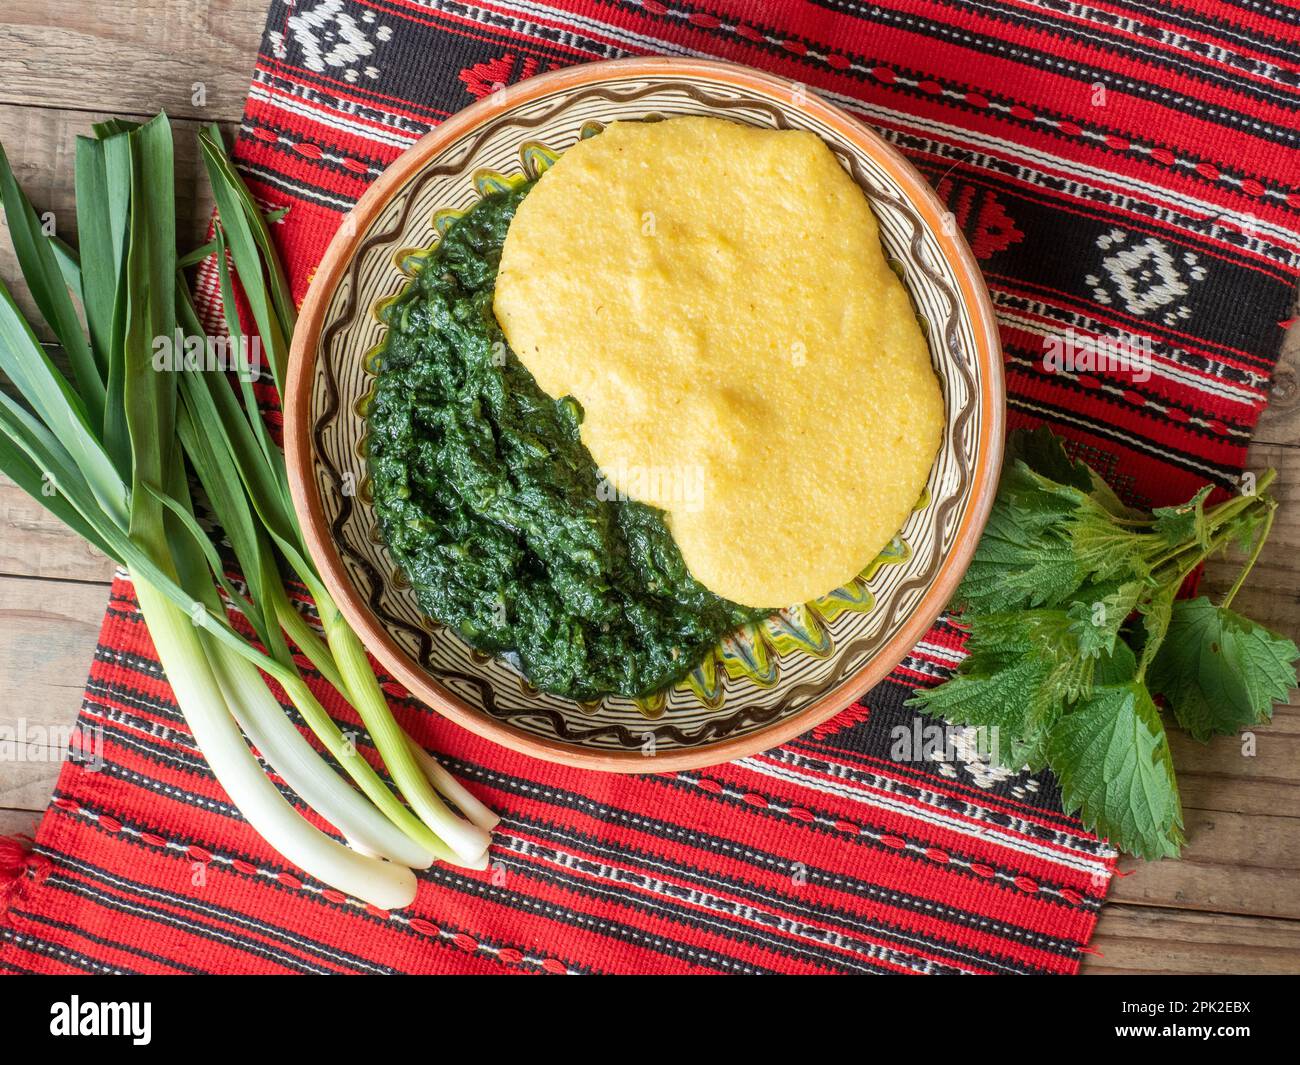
[1231, 508]
[1254, 555]
[1222, 522]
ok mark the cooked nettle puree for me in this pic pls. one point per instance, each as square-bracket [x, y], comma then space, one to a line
[716, 299]
[493, 508]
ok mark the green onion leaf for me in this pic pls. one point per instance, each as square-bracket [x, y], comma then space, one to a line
[49, 289]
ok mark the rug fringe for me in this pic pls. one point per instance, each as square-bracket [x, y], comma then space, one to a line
[20, 866]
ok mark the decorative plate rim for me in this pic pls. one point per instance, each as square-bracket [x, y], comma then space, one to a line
[300, 457]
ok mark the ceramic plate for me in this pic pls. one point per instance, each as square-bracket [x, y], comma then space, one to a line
[766, 683]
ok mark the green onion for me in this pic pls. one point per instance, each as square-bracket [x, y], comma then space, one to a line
[119, 442]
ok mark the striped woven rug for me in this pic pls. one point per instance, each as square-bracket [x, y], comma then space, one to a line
[1120, 167]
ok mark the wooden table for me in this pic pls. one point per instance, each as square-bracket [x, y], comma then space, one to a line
[1231, 904]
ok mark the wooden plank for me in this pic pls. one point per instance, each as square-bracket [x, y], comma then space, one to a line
[19, 822]
[1231, 864]
[41, 146]
[1224, 775]
[50, 630]
[29, 785]
[1271, 595]
[1143, 939]
[141, 57]
[33, 543]
[1280, 422]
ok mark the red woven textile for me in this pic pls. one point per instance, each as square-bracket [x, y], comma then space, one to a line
[1120, 168]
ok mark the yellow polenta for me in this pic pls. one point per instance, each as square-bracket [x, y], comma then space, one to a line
[717, 299]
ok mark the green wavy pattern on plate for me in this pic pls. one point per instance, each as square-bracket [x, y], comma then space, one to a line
[755, 651]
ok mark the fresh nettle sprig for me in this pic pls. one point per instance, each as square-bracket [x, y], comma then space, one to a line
[1076, 630]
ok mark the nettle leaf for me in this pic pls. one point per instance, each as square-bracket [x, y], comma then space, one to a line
[1156, 612]
[1042, 451]
[1111, 757]
[1036, 500]
[1117, 667]
[1053, 640]
[1005, 696]
[1099, 612]
[1104, 496]
[1220, 672]
[1002, 685]
[1018, 563]
[1104, 550]
[1023, 671]
[1185, 522]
